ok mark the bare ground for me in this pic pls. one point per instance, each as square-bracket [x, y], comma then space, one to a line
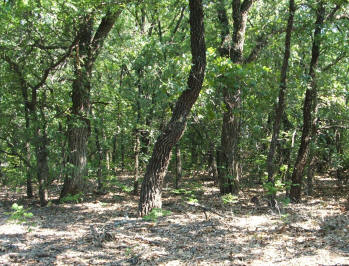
[104, 230]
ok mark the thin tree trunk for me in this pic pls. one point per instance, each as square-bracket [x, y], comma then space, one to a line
[280, 106]
[42, 165]
[29, 183]
[229, 155]
[114, 152]
[100, 161]
[212, 164]
[27, 143]
[309, 110]
[178, 165]
[156, 170]
[122, 150]
[340, 153]
[40, 144]
[136, 151]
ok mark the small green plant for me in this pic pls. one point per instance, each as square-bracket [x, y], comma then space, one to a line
[285, 201]
[155, 214]
[187, 195]
[77, 198]
[126, 189]
[114, 181]
[285, 218]
[229, 198]
[192, 200]
[19, 214]
[129, 251]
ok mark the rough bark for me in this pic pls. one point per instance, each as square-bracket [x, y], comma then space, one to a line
[229, 156]
[156, 169]
[309, 110]
[280, 106]
[86, 53]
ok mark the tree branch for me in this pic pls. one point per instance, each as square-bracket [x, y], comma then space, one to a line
[338, 59]
[103, 30]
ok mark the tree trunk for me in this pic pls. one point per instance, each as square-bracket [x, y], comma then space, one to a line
[29, 183]
[114, 152]
[122, 150]
[100, 161]
[136, 151]
[40, 143]
[310, 174]
[280, 107]
[27, 141]
[87, 50]
[178, 165]
[42, 169]
[309, 110]
[156, 169]
[229, 155]
[212, 164]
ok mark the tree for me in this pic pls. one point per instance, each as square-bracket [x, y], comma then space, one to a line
[309, 108]
[86, 52]
[280, 106]
[150, 196]
[228, 156]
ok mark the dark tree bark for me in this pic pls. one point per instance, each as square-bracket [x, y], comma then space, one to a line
[152, 183]
[280, 106]
[309, 110]
[136, 151]
[229, 156]
[27, 151]
[87, 50]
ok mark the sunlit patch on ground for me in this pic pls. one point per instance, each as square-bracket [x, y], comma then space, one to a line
[105, 230]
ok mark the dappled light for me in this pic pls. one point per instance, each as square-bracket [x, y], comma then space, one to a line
[166, 132]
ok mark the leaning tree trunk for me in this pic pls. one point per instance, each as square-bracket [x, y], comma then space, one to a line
[156, 169]
[309, 109]
[229, 156]
[280, 107]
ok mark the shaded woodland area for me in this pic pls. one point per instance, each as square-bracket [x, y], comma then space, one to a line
[174, 132]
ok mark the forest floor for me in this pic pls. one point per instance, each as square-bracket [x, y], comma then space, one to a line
[200, 230]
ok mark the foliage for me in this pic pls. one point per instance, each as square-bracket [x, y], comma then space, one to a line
[155, 214]
[140, 72]
[229, 198]
[19, 214]
[77, 198]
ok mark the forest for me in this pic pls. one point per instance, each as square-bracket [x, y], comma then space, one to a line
[174, 132]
